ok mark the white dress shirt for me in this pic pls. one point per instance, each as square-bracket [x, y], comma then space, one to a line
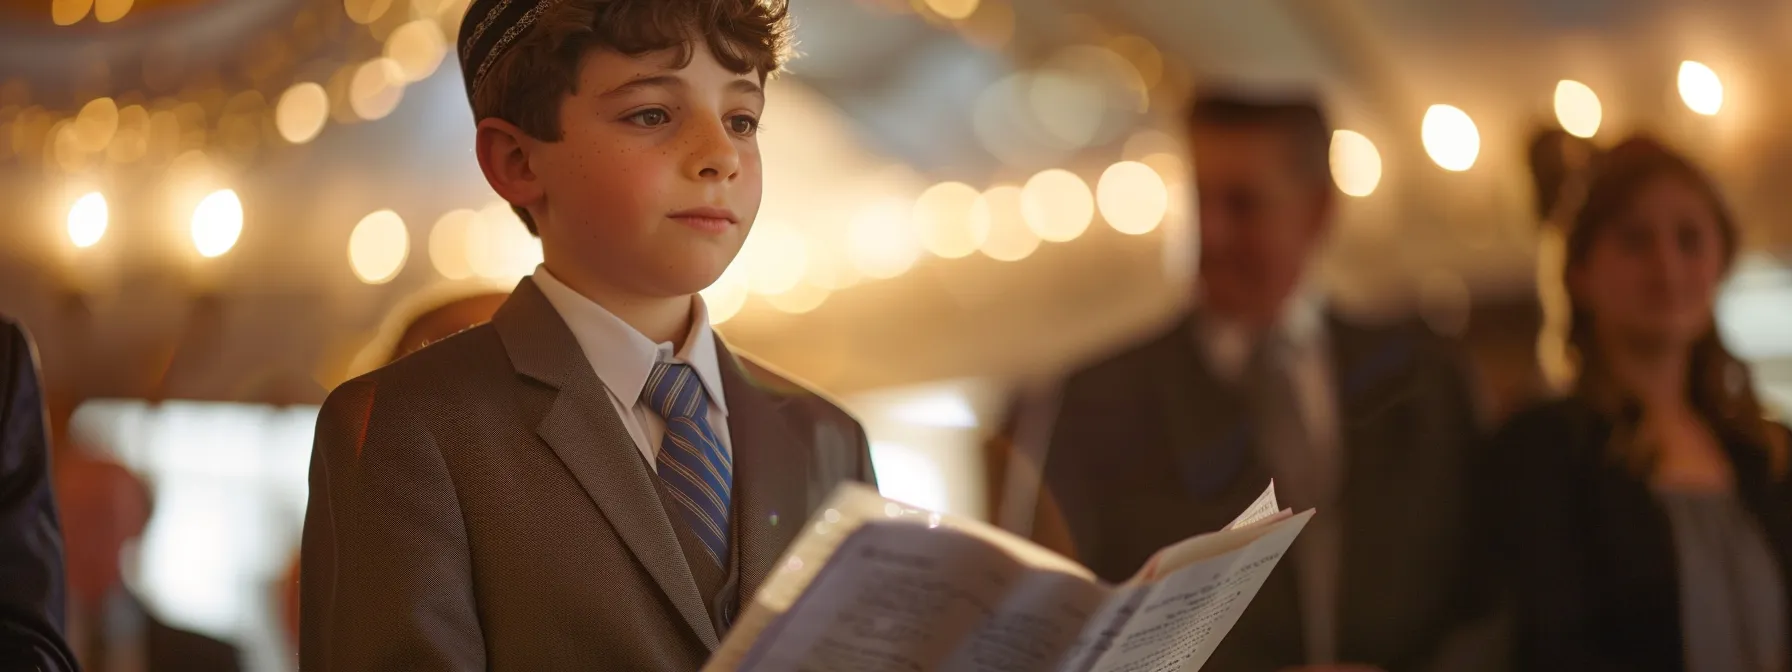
[1228, 348]
[623, 358]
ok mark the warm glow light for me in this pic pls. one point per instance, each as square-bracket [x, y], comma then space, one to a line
[378, 247]
[801, 298]
[498, 247]
[366, 11]
[880, 242]
[953, 9]
[1701, 88]
[944, 223]
[96, 124]
[217, 223]
[418, 48]
[108, 11]
[87, 220]
[448, 244]
[301, 112]
[1356, 164]
[726, 296]
[1057, 205]
[1578, 109]
[69, 12]
[1010, 239]
[376, 89]
[1132, 197]
[775, 257]
[1450, 138]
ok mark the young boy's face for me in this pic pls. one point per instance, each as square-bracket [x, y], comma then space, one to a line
[656, 178]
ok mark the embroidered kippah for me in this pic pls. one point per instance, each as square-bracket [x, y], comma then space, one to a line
[490, 29]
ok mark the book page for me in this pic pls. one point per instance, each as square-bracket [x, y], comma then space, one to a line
[850, 508]
[900, 597]
[1262, 509]
[1104, 628]
[1187, 612]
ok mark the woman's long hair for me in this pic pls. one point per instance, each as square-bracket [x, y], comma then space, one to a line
[1719, 385]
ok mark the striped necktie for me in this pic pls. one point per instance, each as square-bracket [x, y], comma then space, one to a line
[695, 469]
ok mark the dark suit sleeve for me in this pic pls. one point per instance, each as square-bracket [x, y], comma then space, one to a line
[1537, 511]
[31, 581]
[385, 571]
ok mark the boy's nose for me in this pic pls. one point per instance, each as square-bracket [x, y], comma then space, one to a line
[713, 155]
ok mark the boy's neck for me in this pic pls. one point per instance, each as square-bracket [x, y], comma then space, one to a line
[661, 320]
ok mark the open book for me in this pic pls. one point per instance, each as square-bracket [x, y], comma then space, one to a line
[877, 586]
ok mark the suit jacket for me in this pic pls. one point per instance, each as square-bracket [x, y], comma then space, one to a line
[1588, 553]
[479, 505]
[31, 583]
[1148, 447]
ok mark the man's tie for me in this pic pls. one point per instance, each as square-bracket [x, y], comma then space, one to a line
[695, 469]
[1305, 477]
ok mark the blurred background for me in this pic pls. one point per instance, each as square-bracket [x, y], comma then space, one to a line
[216, 211]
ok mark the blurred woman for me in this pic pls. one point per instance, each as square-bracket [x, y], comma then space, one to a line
[1645, 521]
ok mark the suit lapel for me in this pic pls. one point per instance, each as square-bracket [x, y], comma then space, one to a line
[583, 429]
[1210, 433]
[771, 472]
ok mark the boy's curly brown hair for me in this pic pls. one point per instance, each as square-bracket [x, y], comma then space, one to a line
[526, 85]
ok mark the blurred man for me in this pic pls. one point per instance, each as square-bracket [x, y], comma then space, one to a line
[31, 583]
[1176, 434]
[106, 508]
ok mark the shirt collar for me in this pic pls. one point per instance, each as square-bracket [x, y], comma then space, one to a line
[623, 357]
[1228, 345]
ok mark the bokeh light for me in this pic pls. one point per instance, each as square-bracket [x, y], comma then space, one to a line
[108, 11]
[1057, 205]
[726, 296]
[69, 12]
[1132, 197]
[87, 220]
[301, 112]
[418, 48]
[1450, 137]
[1356, 164]
[953, 9]
[376, 89]
[1578, 109]
[801, 298]
[944, 221]
[1700, 88]
[448, 244]
[217, 223]
[1010, 239]
[378, 247]
[775, 257]
[880, 241]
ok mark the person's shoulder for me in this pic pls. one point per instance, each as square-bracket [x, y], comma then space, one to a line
[784, 386]
[1125, 363]
[1562, 428]
[454, 367]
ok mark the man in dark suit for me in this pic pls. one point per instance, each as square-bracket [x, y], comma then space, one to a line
[1176, 434]
[31, 583]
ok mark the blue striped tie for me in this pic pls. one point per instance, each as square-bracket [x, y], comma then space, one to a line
[697, 472]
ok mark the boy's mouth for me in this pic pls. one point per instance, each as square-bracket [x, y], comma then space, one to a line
[706, 219]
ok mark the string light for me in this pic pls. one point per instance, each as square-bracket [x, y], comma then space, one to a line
[1057, 205]
[217, 223]
[1700, 88]
[87, 220]
[1450, 138]
[1356, 164]
[378, 246]
[1132, 197]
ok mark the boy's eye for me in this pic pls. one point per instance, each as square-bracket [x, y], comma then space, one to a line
[651, 117]
[743, 124]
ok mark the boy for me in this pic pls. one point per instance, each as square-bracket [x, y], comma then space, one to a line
[592, 480]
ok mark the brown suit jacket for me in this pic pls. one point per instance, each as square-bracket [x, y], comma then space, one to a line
[479, 505]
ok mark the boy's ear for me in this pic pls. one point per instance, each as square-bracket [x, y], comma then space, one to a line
[503, 151]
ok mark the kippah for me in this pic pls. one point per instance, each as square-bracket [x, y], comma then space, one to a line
[490, 28]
